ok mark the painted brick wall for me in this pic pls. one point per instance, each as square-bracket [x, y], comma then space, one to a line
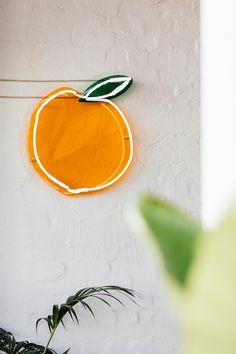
[52, 245]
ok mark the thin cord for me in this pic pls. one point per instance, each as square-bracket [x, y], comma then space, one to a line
[36, 81]
[17, 97]
[33, 97]
[19, 80]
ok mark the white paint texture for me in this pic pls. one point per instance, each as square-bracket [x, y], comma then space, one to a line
[51, 245]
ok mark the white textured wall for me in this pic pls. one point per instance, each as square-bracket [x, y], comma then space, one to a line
[52, 245]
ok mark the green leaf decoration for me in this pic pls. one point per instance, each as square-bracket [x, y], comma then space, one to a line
[173, 233]
[108, 87]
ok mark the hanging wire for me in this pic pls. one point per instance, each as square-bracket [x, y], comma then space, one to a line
[36, 81]
[37, 97]
[19, 80]
[21, 97]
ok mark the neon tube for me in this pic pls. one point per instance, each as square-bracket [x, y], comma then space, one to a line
[55, 180]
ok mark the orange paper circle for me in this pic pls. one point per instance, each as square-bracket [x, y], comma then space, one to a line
[78, 146]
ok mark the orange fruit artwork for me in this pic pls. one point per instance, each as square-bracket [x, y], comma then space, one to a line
[81, 143]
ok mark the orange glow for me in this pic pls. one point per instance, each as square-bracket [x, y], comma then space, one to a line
[81, 144]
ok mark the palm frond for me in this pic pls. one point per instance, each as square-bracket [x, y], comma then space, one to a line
[67, 351]
[9, 345]
[59, 312]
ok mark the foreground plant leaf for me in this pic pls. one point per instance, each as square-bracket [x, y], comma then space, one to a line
[208, 306]
[173, 232]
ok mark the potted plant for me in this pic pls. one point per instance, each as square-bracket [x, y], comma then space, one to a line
[9, 345]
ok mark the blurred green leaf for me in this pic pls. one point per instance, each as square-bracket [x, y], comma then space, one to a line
[173, 232]
[209, 302]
